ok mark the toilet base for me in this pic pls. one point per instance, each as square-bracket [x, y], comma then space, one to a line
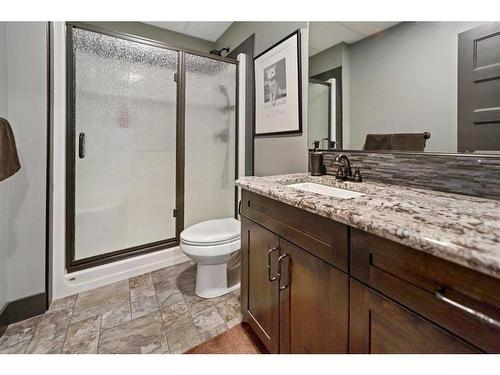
[211, 281]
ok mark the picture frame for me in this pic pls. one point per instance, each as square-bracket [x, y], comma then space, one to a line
[278, 88]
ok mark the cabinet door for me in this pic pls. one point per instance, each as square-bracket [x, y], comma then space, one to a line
[378, 325]
[314, 300]
[261, 308]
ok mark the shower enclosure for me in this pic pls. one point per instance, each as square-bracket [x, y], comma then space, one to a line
[151, 144]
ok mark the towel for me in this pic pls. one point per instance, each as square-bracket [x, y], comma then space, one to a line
[408, 142]
[378, 142]
[9, 161]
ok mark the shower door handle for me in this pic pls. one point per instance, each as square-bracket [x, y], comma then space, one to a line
[81, 145]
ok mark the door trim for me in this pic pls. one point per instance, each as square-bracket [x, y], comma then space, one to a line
[247, 47]
[49, 204]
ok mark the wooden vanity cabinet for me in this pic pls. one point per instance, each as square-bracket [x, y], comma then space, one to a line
[457, 299]
[312, 285]
[294, 301]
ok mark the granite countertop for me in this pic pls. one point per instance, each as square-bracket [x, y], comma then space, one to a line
[462, 229]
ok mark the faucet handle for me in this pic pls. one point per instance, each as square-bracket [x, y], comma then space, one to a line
[341, 175]
[357, 175]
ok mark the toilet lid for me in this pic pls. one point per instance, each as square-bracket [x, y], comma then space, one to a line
[212, 232]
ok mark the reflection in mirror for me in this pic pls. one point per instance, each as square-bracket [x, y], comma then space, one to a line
[319, 113]
[405, 86]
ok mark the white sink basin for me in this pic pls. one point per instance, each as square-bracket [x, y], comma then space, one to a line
[326, 190]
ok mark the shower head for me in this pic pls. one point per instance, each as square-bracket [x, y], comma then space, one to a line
[218, 52]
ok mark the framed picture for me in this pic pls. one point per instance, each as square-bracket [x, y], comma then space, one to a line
[278, 103]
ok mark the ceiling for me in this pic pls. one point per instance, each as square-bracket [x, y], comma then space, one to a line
[210, 31]
[323, 35]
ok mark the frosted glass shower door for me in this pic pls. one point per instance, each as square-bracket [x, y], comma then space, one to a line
[210, 135]
[124, 114]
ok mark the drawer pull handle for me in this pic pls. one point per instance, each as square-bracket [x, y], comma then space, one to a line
[269, 264]
[280, 261]
[483, 317]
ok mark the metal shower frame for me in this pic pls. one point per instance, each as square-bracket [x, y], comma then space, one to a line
[180, 78]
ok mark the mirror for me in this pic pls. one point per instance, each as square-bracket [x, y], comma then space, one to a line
[405, 86]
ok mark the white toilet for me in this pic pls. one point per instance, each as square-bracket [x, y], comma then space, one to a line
[215, 246]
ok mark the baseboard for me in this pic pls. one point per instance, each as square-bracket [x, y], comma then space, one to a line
[3, 319]
[22, 309]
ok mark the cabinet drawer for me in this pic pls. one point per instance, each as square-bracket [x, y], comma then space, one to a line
[381, 326]
[463, 301]
[320, 236]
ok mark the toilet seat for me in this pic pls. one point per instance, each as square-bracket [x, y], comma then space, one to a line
[212, 232]
[211, 251]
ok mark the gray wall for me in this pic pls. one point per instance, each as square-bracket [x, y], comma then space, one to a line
[407, 81]
[283, 154]
[157, 33]
[22, 196]
[325, 60]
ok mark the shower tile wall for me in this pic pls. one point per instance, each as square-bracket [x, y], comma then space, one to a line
[469, 175]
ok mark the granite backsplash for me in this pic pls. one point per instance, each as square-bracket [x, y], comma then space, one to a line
[470, 175]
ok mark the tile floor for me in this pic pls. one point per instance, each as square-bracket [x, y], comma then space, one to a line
[156, 312]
